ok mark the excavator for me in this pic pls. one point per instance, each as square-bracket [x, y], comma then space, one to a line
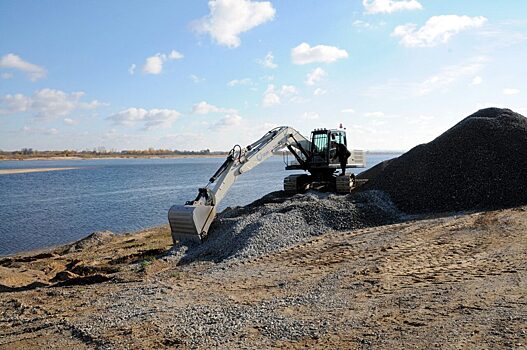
[191, 222]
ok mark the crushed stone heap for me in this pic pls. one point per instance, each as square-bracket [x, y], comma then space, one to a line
[277, 221]
[480, 163]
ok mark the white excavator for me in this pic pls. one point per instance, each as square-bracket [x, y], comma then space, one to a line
[191, 222]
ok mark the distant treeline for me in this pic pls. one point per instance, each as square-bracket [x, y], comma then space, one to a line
[101, 152]
[28, 153]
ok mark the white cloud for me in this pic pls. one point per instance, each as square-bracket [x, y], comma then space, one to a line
[30, 130]
[15, 103]
[70, 121]
[154, 64]
[267, 62]
[245, 81]
[228, 120]
[420, 120]
[319, 92]
[451, 74]
[204, 107]
[131, 70]
[298, 99]
[315, 76]
[13, 61]
[437, 30]
[196, 79]
[360, 24]
[304, 54]
[174, 55]
[47, 103]
[267, 78]
[441, 81]
[348, 110]
[509, 91]
[270, 97]
[229, 18]
[389, 6]
[374, 114]
[477, 80]
[150, 119]
[498, 35]
[273, 96]
[287, 90]
[310, 116]
[7, 75]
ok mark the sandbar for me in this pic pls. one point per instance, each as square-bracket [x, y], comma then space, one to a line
[31, 170]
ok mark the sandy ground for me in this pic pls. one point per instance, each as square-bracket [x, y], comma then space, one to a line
[31, 170]
[456, 282]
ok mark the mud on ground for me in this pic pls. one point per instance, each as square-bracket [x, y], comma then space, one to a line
[456, 282]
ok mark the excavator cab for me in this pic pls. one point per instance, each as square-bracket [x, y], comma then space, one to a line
[322, 165]
[322, 152]
[320, 147]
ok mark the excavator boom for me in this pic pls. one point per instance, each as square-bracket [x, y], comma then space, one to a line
[191, 222]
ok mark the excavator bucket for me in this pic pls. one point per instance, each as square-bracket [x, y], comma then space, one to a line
[190, 222]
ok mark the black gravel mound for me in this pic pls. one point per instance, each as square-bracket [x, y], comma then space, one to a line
[480, 163]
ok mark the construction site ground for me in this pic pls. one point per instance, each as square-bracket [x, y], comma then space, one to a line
[447, 282]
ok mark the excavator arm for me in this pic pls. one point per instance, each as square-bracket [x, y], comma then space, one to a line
[191, 222]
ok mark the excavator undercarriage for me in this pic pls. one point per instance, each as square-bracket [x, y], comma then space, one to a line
[299, 183]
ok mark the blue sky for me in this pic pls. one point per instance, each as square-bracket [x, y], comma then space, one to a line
[208, 74]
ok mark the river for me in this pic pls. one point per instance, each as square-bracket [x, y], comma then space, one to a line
[42, 209]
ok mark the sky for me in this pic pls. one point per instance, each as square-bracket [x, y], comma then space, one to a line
[193, 75]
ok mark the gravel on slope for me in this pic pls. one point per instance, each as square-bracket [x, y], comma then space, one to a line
[276, 221]
[480, 163]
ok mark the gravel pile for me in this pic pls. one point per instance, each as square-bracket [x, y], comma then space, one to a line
[480, 163]
[276, 221]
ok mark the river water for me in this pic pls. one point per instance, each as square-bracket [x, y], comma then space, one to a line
[44, 209]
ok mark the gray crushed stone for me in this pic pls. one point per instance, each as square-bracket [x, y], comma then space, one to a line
[480, 163]
[277, 221]
[223, 324]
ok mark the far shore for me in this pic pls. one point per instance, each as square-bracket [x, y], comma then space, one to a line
[119, 157]
[174, 156]
[31, 170]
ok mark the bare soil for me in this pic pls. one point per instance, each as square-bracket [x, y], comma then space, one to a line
[452, 282]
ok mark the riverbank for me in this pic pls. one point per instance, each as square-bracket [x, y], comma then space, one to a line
[32, 170]
[123, 156]
[454, 281]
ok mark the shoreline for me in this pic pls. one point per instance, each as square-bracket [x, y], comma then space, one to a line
[164, 228]
[176, 156]
[32, 170]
